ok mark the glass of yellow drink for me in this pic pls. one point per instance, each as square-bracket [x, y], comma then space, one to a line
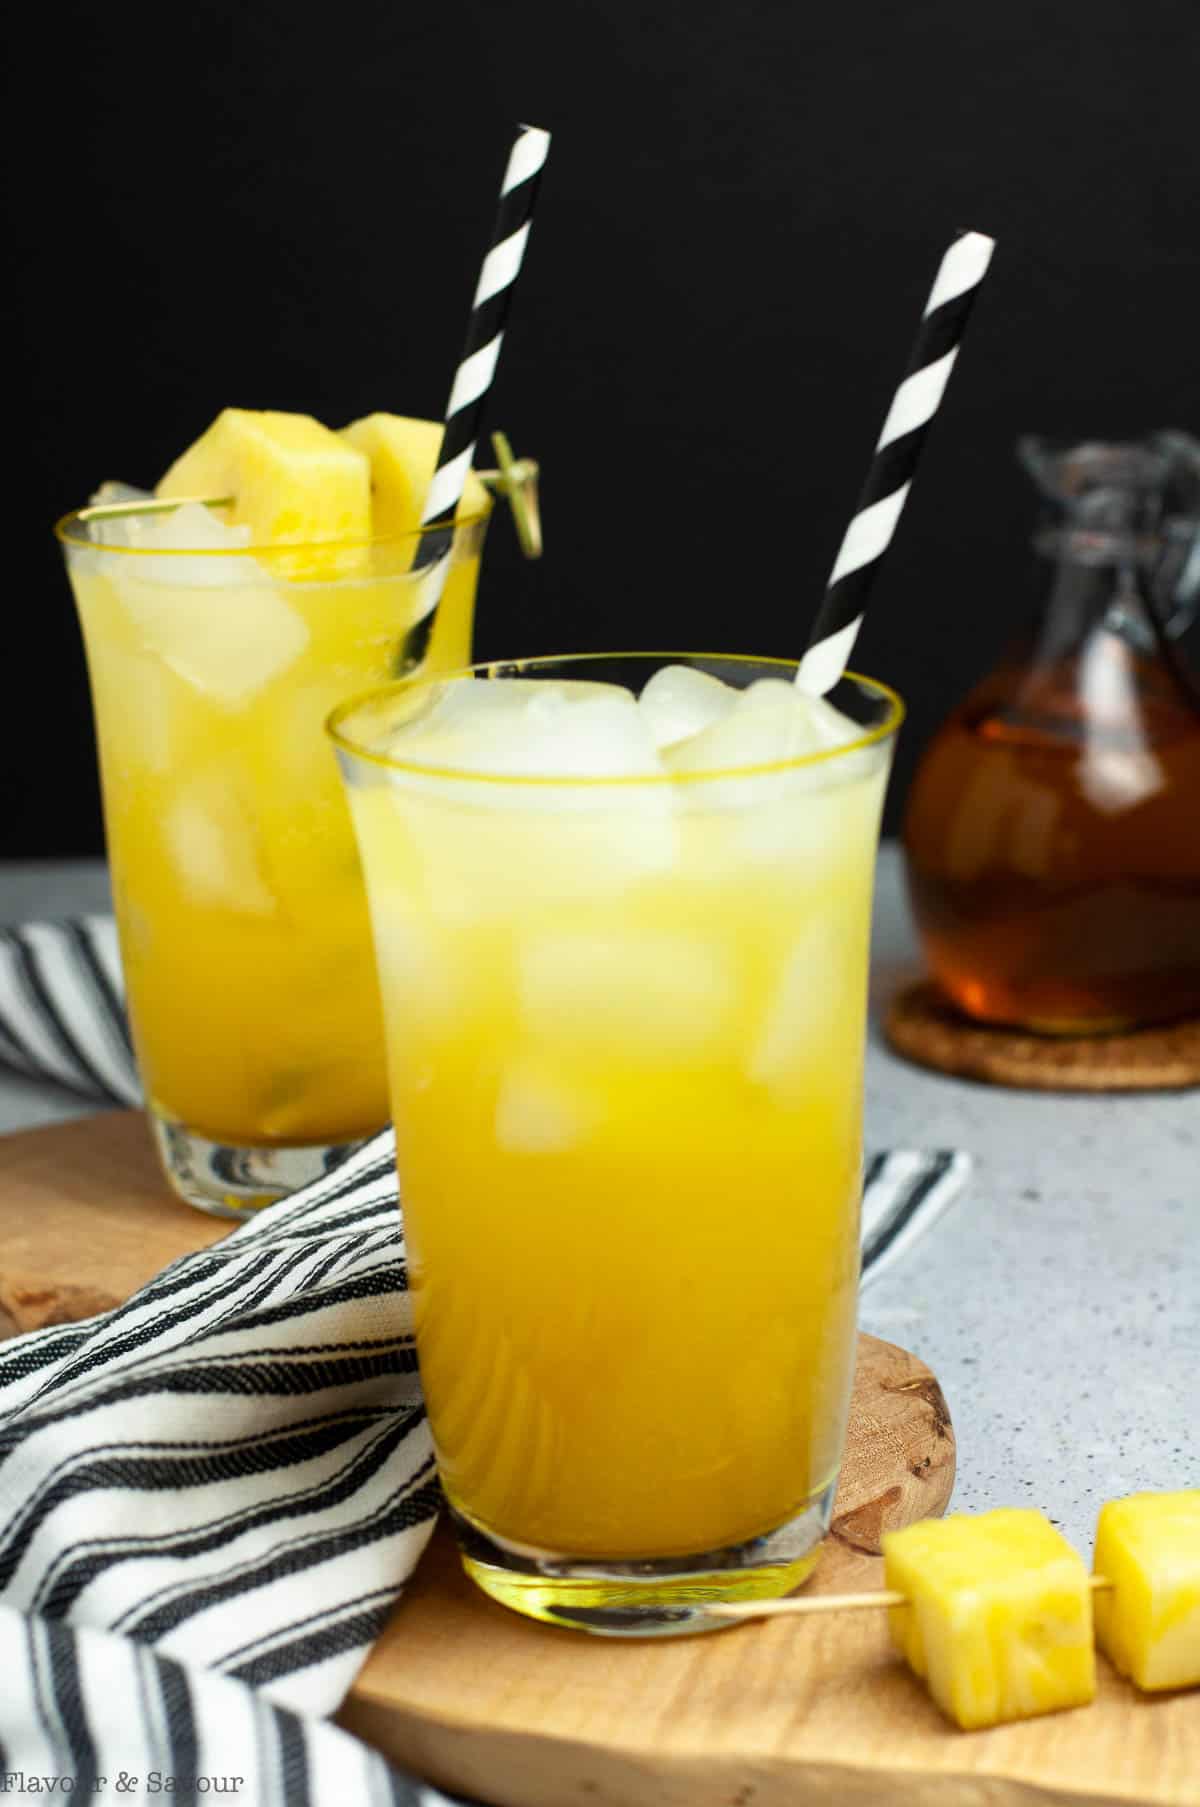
[625, 1020]
[243, 928]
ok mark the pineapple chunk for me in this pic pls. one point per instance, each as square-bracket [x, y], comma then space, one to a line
[1148, 1622]
[1000, 1614]
[292, 480]
[403, 454]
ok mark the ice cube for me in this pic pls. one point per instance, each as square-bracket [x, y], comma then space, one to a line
[116, 530]
[603, 838]
[191, 528]
[217, 621]
[464, 705]
[813, 991]
[225, 641]
[113, 490]
[212, 842]
[414, 725]
[771, 723]
[537, 1112]
[832, 728]
[680, 701]
[802, 816]
[481, 852]
[415, 958]
[521, 728]
[92, 555]
[587, 737]
[226, 646]
[646, 994]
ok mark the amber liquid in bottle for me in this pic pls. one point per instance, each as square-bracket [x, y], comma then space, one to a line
[1052, 831]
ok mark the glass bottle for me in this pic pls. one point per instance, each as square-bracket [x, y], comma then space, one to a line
[1052, 830]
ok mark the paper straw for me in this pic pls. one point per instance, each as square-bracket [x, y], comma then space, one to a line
[476, 369]
[897, 453]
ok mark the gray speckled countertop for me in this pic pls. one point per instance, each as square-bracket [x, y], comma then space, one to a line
[1058, 1300]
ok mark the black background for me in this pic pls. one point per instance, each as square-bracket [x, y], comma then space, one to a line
[741, 215]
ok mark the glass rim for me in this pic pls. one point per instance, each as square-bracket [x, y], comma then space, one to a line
[870, 737]
[73, 519]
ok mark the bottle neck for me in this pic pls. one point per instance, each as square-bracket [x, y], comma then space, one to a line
[1090, 595]
[1098, 618]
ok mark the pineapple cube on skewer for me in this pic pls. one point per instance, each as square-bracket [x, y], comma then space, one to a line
[999, 1614]
[403, 454]
[1148, 1619]
[293, 481]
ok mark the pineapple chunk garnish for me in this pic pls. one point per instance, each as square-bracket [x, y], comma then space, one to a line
[293, 481]
[403, 455]
[1148, 1621]
[999, 1620]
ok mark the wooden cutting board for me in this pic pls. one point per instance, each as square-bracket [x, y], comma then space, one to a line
[787, 1713]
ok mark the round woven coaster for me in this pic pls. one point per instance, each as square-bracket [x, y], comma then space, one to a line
[923, 1027]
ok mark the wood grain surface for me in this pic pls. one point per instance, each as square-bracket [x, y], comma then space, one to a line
[783, 1713]
[811, 1712]
[86, 1218]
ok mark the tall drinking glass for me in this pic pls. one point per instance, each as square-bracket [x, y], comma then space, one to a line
[625, 1023]
[243, 927]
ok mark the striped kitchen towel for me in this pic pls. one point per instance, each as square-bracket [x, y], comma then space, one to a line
[233, 1469]
[90, 1715]
[210, 1499]
[234, 1466]
[62, 1007]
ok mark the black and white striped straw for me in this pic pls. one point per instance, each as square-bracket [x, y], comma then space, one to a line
[477, 365]
[897, 453]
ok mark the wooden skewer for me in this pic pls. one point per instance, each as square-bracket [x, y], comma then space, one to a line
[779, 1609]
[112, 511]
[516, 478]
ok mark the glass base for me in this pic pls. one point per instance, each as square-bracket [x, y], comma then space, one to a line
[661, 1598]
[232, 1181]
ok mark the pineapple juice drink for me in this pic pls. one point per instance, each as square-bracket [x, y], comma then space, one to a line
[626, 1023]
[214, 657]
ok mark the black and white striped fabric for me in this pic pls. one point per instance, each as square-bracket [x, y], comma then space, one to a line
[476, 368]
[62, 1007]
[894, 463]
[233, 1469]
[905, 1191]
[94, 1716]
[235, 1465]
